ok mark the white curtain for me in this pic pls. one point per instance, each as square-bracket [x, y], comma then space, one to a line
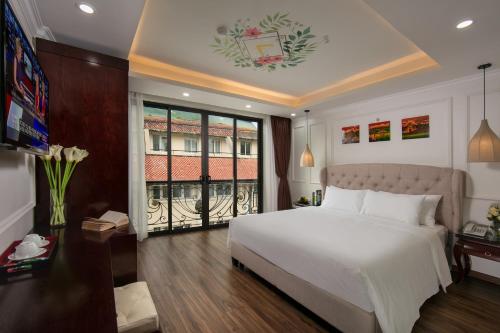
[137, 199]
[270, 178]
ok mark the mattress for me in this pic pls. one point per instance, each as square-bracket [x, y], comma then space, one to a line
[441, 231]
[298, 242]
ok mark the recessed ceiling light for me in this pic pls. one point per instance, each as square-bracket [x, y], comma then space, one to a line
[185, 94]
[86, 8]
[293, 114]
[464, 24]
[248, 106]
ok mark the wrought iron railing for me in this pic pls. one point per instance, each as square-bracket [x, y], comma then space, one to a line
[187, 204]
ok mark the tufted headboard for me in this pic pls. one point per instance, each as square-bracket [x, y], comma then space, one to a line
[407, 179]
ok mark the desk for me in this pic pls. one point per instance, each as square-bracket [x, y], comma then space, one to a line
[74, 293]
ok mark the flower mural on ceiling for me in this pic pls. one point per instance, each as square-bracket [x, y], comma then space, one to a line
[275, 42]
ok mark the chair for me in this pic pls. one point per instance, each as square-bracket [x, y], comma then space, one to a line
[135, 310]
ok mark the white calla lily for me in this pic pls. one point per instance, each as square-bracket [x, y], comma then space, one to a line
[46, 157]
[80, 154]
[55, 150]
[69, 153]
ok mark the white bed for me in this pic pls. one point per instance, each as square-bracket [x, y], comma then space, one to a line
[364, 264]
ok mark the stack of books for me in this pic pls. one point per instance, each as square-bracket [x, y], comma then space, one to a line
[109, 220]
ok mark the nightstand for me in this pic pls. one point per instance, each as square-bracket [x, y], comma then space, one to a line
[467, 246]
[299, 205]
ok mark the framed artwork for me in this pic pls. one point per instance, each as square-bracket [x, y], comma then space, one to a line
[415, 127]
[350, 134]
[380, 131]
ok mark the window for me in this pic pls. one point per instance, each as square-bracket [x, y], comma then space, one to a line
[159, 142]
[191, 145]
[224, 189]
[163, 143]
[245, 147]
[214, 145]
[165, 191]
[156, 192]
[188, 192]
[176, 191]
[156, 142]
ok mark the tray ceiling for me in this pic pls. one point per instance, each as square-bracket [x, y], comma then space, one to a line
[177, 40]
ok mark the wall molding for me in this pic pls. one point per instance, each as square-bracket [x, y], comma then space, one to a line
[379, 112]
[478, 195]
[323, 152]
[29, 16]
[330, 111]
[294, 158]
[16, 216]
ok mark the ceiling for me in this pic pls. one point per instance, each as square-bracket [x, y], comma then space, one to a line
[111, 29]
[374, 48]
[358, 39]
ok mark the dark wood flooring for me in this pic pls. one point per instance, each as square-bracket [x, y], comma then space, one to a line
[196, 289]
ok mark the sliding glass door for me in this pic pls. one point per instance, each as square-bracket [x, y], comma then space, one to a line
[202, 168]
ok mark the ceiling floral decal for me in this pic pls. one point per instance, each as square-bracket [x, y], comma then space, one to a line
[275, 42]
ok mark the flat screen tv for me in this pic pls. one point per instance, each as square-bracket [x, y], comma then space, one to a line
[24, 89]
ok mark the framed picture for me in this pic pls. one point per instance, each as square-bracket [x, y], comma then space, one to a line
[415, 127]
[350, 134]
[380, 131]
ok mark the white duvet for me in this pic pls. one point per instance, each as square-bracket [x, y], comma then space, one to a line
[376, 264]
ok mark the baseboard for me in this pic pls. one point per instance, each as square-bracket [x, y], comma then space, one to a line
[480, 276]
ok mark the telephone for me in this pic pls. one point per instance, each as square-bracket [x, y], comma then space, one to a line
[475, 229]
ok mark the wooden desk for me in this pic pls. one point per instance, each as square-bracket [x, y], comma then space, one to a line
[73, 294]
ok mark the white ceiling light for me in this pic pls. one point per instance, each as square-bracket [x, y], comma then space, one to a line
[248, 106]
[86, 8]
[293, 114]
[464, 24]
[185, 94]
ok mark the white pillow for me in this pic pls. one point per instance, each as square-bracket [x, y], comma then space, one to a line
[400, 207]
[429, 207]
[343, 199]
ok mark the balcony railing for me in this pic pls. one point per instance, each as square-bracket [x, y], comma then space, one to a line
[187, 203]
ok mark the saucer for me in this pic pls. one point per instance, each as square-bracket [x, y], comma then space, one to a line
[44, 243]
[14, 257]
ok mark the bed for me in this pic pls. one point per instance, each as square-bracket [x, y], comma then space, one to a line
[326, 265]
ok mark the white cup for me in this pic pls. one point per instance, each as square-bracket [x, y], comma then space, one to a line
[35, 238]
[26, 249]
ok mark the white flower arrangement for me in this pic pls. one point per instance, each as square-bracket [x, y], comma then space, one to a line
[494, 213]
[57, 181]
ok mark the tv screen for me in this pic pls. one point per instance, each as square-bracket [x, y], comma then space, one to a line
[26, 89]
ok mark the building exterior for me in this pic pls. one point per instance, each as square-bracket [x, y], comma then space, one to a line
[186, 170]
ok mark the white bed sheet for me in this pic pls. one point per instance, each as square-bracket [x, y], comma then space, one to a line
[323, 246]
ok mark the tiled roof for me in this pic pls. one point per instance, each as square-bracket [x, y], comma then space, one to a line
[194, 127]
[189, 168]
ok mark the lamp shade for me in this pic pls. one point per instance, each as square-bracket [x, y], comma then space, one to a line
[484, 145]
[307, 158]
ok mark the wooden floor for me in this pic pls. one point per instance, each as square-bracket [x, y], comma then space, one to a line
[196, 289]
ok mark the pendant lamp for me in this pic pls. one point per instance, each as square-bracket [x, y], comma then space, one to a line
[484, 145]
[307, 158]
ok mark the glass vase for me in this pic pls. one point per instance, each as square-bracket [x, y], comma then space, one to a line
[57, 210]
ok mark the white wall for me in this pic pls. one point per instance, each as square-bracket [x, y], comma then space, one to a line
[17, 170]
[17, 195]
[455, 110]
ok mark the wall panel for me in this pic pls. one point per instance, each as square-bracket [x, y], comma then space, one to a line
[455, 110]
[88, 109]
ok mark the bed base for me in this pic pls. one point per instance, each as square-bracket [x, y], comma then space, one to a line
[336, 311]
